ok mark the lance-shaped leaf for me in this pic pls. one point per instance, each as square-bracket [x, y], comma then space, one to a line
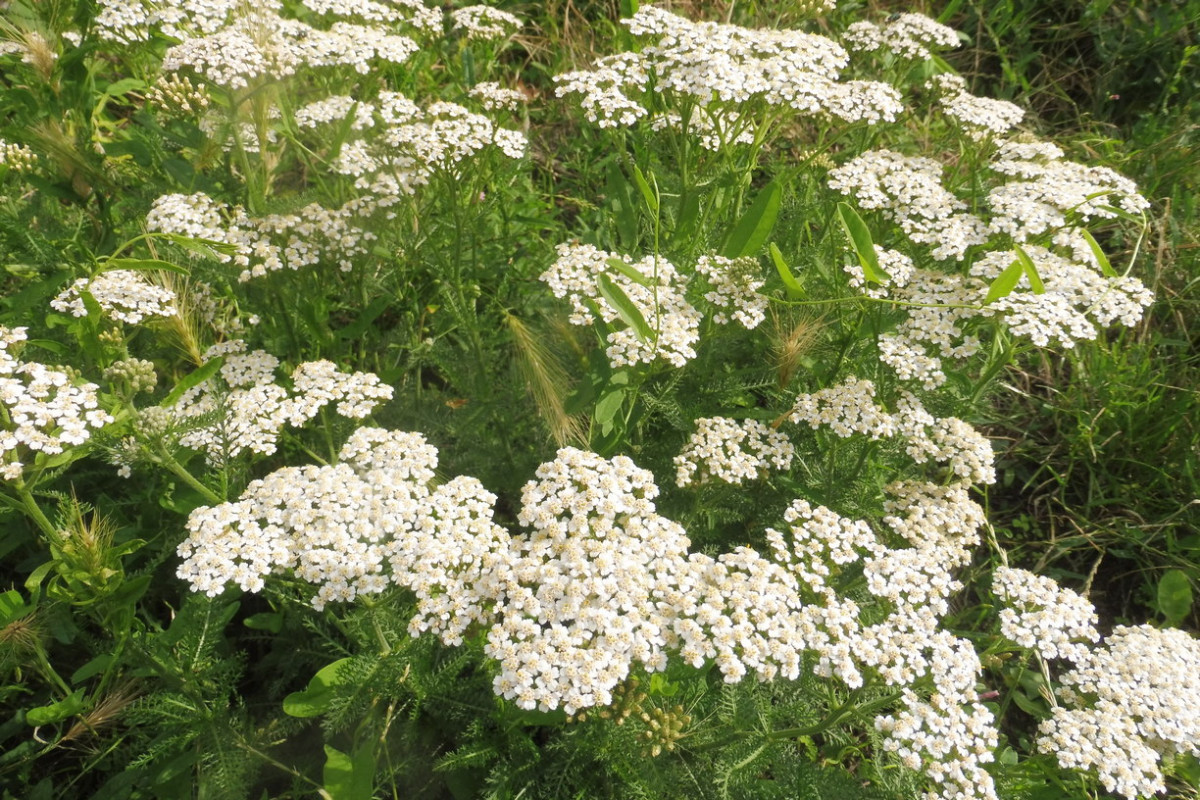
[624, 307]
[629, 271]
[1098, 252]
[756, 224]
[1005, 282]
[794, 290]
[648, 194]
[1030, 269]
[194, 379]
[864, 245]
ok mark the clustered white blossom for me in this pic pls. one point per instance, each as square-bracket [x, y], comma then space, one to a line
[42, 409]
[846, 409]
[495, 97]
[730, 451]
[1075, 298]
[718, 66]
[123, 294]
[1127, 705]
[908, 35]
[129, 21]
[657, 294]
[242, 408]
[485, 23]
[336, 108]
[979, 117]
[734, 295]
[258, 44]
[1041, 615]
[270, 243]
[909, 190]
[16, 157]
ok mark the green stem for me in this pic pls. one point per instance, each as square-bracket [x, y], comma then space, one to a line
[30, 506]
[181, 472]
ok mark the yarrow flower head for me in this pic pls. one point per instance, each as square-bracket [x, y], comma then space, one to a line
[46, 410]
[652, 285]
[1043, 616]
[730, 451]
[242, 408]
[125, 295]
[1126, 706]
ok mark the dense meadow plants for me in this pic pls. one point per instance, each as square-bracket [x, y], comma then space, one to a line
[357, 444]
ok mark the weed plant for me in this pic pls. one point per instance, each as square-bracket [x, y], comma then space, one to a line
[440, 402]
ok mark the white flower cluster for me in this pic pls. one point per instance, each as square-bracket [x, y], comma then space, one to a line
[336, 108]
[909, 190]
[123, 294]
[653, 286]
[495, 97]
[484, 23]
[415, 12]
[944, 440]
[1043, 616]
[937, 304]
[270, 243]
[712, 63]
[1051, 192]
[735, 283]
[847, 408]
[1074, 301]
[730, 451]
[897, 265]
[260, 44]
[979, 117]
[908, 36]
[129, 21]
[342, 527]
[16, 157]
[242, 408]
[1127, 705]
[411, 143]
[43, 410]
[590, 577]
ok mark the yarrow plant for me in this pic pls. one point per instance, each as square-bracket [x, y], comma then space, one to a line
[757, 552]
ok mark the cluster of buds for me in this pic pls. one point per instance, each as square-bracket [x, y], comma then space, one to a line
[664, 727]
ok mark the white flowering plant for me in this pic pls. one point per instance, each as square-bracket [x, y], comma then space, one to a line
[460, 423]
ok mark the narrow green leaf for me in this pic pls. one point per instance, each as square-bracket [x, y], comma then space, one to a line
[142, 265]
[1005, 282]
[629, 8]
[270, 621]
[204, 247]
[1175, 596]
[1098, 252]
[794, 290]
[629, 272]
[93, 667]
[862, 242]
[624, 307]
[752, 230]
[1030, 269]
[314, 700]
[194, 379]
[648, 194]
